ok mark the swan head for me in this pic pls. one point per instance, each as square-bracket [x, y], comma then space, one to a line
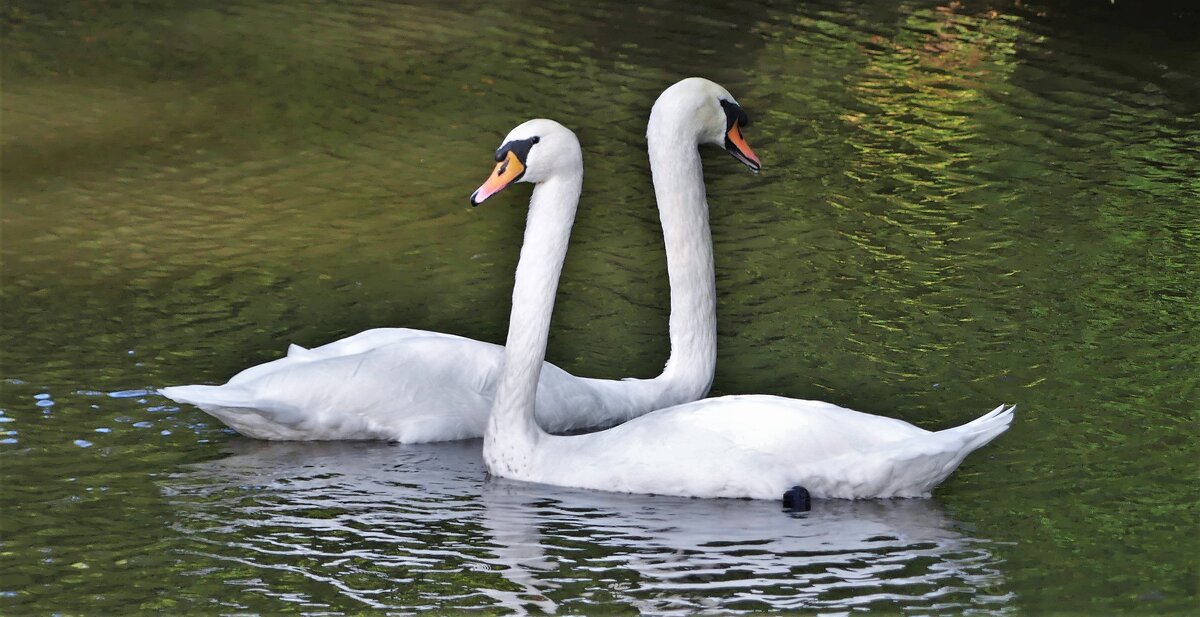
[536, 151]
[699, 105]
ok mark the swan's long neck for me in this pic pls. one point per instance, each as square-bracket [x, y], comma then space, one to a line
[683, 209]
[512, 431]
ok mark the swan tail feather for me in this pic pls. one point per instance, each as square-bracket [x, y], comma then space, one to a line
[207, 396]
[980, 431]
[951, 446]
[225, 401]
[240, 410]
[908, 468]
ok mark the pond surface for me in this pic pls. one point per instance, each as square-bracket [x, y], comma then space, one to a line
[963, 204]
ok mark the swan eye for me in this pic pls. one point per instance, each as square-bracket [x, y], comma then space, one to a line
[734, 115]
[519, 147]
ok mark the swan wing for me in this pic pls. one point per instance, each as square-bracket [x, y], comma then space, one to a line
[805, 430]
[356, 344]
[759, 446]
[906, 468]
[731, 446]
[418, 388]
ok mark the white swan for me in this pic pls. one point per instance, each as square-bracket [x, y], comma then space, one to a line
[417, 386]
[733, 446]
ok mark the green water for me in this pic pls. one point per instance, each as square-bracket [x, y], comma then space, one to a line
[962, 204]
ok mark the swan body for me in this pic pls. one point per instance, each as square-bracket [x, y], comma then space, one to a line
[734, 446]
[416, 386]
[349, 390]
[759, 446]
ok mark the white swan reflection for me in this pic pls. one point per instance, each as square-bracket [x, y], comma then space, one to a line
[421, 526]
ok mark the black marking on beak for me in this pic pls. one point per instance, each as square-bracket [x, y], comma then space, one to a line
[734, 114]
[735, 119]
[519, 147]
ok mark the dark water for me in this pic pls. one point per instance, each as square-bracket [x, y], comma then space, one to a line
[963, 204]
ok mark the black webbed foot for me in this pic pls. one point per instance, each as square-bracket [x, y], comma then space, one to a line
[797, 499]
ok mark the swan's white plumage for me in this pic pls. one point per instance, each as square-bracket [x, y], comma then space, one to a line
[350, 378]
[322, 394]
[733, 446]
[415, 386]
[758, 447]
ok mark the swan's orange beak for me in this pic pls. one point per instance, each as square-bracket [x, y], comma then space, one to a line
[508, 170]
[737, 146]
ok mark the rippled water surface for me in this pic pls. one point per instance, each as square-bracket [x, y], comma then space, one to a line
[963, 204]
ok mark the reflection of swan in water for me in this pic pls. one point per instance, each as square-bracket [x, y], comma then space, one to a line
[387, 516]
[373, 521]
[701, 554]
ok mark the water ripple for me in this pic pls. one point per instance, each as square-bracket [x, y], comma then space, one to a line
[366, 519]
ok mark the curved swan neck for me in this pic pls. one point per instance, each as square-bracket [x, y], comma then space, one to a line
[683, 209]
[512, 430]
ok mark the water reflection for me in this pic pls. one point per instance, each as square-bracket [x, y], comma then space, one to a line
[403, 526]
